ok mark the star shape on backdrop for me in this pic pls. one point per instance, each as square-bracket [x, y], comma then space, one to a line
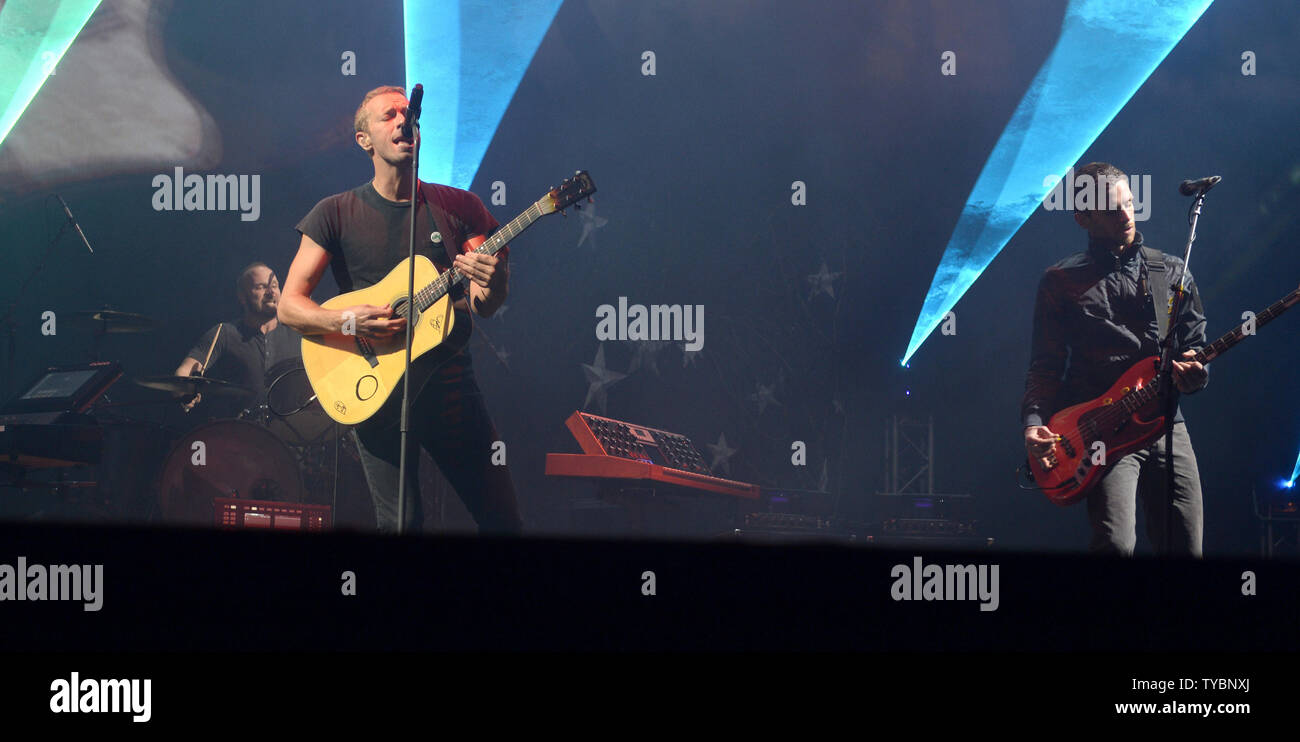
[839, 406]
[647, 354]
[764, 396]
[823, 281]
[722, 453]
[590, 223]
[500, 353]
[689, 357]
[599, 376]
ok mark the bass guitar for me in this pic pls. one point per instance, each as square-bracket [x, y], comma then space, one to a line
[1128, 417]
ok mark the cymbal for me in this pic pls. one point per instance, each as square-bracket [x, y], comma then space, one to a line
[111, 320]
[188, 386]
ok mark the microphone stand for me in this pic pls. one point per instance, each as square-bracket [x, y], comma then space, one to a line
[413, 122]
[1168, 391]
[7, 320]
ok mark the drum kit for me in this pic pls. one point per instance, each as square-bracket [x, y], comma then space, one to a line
[282, 447]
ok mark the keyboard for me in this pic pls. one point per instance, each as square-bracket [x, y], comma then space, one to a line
[617, 450]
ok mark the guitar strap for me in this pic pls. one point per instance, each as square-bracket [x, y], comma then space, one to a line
[1157, 285]
[442, 220]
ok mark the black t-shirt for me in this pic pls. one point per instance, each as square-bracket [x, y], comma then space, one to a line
[243, 354]
[367, 235]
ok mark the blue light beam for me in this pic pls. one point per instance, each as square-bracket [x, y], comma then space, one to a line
[470, 56]
[1106, 50]
[1295, 474]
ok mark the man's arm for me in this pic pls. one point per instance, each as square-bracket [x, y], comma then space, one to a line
[189, 366]
[489, 278]
[1047, 353]
[1046, 364]
[206, 347]
[299, 311]
[192, 366]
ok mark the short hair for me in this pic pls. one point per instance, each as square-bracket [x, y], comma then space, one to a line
[1101, 172]
[362, 119]
[239, 282]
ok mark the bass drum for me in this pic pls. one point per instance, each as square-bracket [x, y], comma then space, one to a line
[225, 458]
[292, 412]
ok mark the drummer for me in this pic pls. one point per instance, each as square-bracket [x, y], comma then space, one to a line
[241, 352]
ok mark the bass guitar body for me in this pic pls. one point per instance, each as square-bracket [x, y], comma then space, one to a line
[1096, 433]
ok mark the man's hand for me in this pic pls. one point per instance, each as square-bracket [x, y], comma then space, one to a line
[481, 269]
[1189, 376]
[1039, 440]
[375, 322]
[197, 370]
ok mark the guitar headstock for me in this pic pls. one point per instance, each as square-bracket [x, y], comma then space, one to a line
[571, 191]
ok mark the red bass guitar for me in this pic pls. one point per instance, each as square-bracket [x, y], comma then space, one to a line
[1128, 417]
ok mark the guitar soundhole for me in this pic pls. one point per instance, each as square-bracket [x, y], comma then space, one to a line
[366, 387]
[400, 308]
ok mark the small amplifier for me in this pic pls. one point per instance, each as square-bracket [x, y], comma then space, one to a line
[268, 515]
[793, 528]
[929, 527]
[921, 507]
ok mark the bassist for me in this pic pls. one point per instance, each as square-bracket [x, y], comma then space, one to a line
[1097, 313]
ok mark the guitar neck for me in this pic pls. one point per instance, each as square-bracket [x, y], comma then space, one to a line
[1138, 398]
[443, 284]
[1221, 346]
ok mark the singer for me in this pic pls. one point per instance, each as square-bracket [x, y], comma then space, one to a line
[361, 235]
[1097, 313]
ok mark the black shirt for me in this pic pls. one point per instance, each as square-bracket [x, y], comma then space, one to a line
[243, 354]
[367, 235]
[1093, 319]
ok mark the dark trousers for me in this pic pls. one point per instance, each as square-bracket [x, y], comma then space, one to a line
[1112, 504]
[450, 421]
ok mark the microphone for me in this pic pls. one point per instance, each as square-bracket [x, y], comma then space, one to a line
[1196, 187]
[76, 226]
[413, 109]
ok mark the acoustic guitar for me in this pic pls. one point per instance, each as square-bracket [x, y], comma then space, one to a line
[354, 376]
